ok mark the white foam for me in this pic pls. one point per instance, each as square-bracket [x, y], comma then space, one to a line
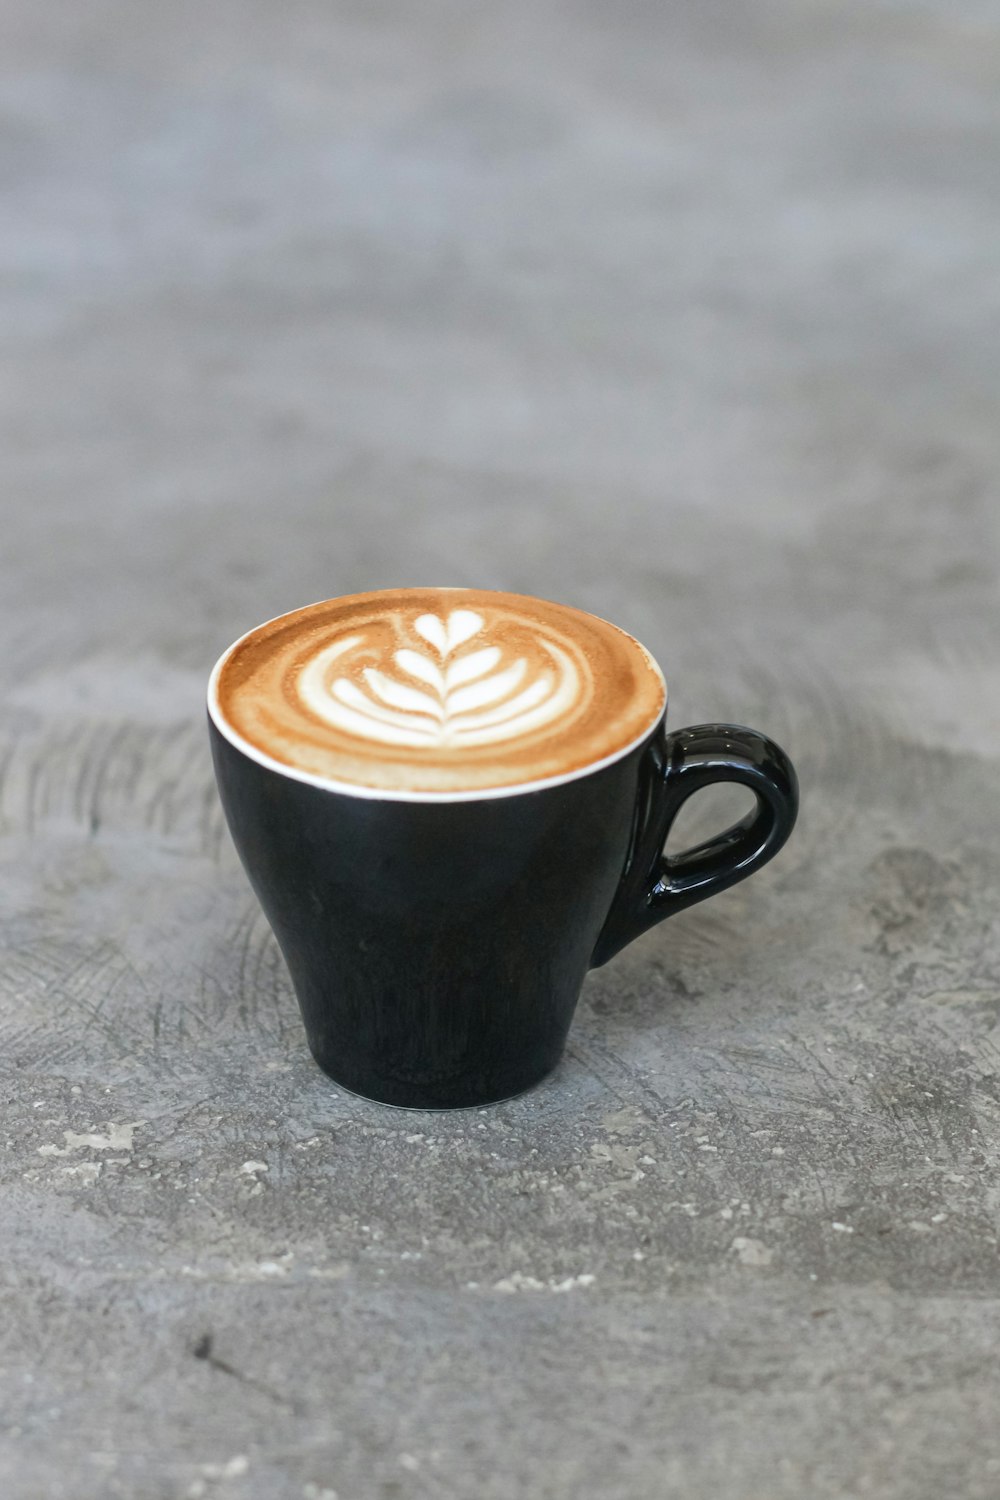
[476, 698]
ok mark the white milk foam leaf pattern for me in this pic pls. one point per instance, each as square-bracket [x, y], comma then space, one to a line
[438, 690]
[465, 697]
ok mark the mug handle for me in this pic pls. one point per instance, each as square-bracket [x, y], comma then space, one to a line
[674, 767]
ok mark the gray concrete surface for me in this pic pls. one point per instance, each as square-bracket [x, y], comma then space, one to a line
[683, 313]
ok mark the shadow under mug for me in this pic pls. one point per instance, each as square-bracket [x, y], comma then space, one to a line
[438, 948]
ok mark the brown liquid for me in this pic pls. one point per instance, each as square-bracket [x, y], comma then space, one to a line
[439, 690]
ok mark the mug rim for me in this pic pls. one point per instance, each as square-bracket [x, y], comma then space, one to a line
[405, 794]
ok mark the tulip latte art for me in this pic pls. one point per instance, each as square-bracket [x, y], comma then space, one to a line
[438, 690]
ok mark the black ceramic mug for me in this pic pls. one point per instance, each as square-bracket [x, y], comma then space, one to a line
[438, 943]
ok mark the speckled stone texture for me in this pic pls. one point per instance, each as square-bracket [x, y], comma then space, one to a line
[686, 314]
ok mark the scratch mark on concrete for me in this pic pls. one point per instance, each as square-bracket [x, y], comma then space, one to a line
[204, 1350]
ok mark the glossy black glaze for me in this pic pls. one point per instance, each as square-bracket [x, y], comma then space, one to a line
[438, 948]
[674, 767]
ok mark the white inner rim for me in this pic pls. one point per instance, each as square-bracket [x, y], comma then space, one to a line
[403, 794]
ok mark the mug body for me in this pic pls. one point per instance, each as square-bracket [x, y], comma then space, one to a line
[437, 948]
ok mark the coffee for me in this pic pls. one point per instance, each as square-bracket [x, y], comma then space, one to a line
[438, 691]
[451, 804]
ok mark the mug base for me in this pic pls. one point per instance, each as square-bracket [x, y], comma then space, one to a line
[404, 1097]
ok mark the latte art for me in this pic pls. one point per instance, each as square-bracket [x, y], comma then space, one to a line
[427, 691]
[442, 695]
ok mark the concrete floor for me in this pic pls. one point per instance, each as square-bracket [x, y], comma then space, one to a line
[686, 314]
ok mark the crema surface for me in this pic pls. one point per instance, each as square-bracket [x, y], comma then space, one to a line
[439, 690]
